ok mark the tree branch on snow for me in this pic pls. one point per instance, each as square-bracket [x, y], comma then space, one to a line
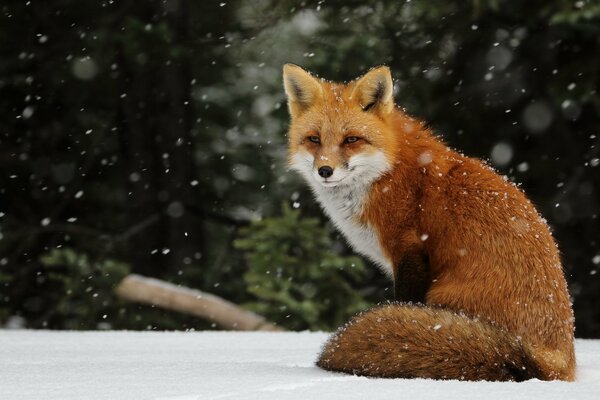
[191, 301]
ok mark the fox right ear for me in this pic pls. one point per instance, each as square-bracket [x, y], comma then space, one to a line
[302, 89]
[374, 91]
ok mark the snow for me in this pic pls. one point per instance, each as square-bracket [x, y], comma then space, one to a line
[229, 365]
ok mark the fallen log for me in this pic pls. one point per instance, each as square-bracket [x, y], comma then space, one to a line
[166, 295]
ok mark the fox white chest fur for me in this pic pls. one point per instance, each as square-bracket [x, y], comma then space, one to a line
[344, 203]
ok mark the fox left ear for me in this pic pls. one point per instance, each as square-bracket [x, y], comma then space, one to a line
[302, 89]
[374, 91]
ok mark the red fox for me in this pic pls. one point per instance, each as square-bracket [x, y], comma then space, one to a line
[477, 275]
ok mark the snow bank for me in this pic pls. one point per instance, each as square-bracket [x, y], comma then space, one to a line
[229, 365]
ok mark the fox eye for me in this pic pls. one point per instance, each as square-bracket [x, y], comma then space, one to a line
[351, 139]
[314, 139]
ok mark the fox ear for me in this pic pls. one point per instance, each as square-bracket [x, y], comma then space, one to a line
[302, 89]
[374, 91]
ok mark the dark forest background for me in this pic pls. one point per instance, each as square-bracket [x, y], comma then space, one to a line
[149, 137]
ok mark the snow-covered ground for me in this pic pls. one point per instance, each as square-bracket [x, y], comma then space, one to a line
[229, 365]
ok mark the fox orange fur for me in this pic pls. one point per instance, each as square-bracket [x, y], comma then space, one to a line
[477, 275]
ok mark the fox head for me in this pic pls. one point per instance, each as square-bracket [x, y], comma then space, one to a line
[340, 133]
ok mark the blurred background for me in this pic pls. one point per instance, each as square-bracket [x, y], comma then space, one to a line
[149, 137]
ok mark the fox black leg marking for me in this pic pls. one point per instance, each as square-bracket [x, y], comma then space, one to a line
[412, 279]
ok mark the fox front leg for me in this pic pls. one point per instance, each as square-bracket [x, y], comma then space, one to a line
[412, 277]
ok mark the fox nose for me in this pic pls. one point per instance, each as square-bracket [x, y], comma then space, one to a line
[325, 171]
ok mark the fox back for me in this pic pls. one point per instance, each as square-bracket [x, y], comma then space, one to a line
[448, 230]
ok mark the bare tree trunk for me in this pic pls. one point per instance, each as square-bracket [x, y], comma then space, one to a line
[181, 230]
[157, 120]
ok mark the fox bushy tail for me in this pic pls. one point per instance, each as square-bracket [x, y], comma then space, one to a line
[411, 341]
